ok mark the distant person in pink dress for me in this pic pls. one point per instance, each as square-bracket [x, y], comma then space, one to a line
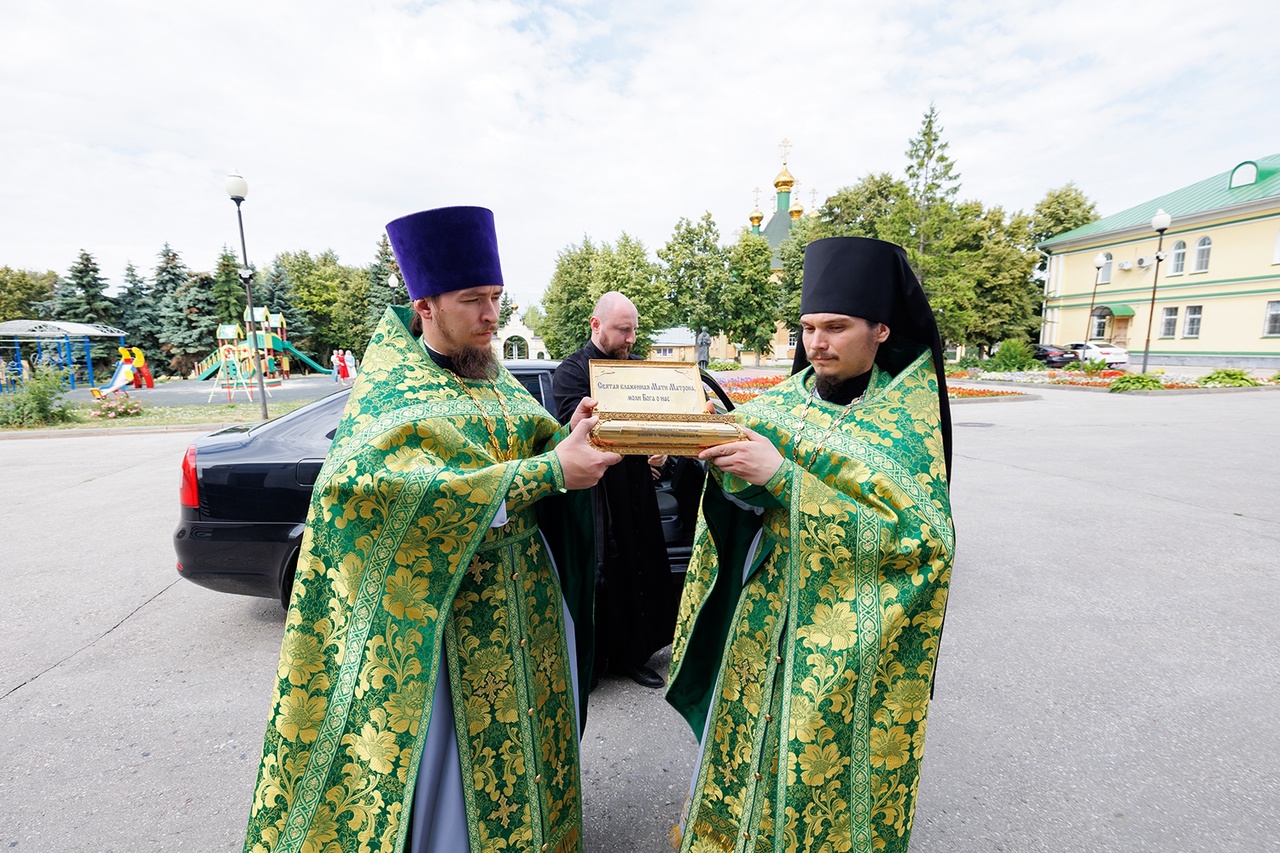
[344, 373]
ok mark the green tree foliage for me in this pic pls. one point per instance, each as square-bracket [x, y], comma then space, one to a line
[505, 309]
[351, 319]
[82, 296]
[936, 228]
[1003, 299]
[585, 272]
[228, 290]
[878, 206]
[140, 313]
[534, 319]
[752, 297]
[694, 272]
[1061, 210]
[191, 325]
[278, 295]
[381, 291]
[803, 231]
[625, 267]
[568, 300]
[333, 298]
[170, 275]
[1014, 354]
[25, 294]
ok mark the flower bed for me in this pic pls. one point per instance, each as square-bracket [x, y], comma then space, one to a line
[1077, 378]
[741, 390]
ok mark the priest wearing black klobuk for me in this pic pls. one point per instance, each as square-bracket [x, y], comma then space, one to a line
[808, 630]
[432, 678]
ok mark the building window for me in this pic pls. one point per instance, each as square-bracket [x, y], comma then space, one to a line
[1202, 254]
[1179, 262]
[1271, 327]
[664, 352]
[1275, 253]
[1098, 328]
[791, 338]
[1169, 326]
[1191, 329]
[1104, 274]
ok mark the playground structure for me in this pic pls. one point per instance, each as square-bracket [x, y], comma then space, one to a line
[231, 364]
[48, 343]
[131, 369]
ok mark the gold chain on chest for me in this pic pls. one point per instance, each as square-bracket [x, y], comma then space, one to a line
[501, 453]
[804, 422]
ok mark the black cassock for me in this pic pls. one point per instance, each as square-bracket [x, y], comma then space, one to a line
[635, 607]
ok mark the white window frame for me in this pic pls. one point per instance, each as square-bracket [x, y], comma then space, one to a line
[1104, 275]
[1169, 323]
[1271, 320]
[666, 352]
[1098, 327]
[1192, 317]
[1275, 252]
[1178, 264]
[1203, 247]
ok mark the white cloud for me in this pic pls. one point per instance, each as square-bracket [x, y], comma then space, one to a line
[122, 118]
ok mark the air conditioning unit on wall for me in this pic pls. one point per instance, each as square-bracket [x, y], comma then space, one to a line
[1145, 261]
[1126, 265]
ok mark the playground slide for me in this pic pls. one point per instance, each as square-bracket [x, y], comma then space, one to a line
[119, 380]
[210, 370]
[288, 347]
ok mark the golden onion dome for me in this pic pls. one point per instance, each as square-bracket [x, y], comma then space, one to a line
[796, 210]
[784, 181]
[756, 217]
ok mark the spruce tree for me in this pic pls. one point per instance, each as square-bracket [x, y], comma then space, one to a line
[277, 294]
[505, 309]
[82, 296]
[140, 313]
[170, 275]
[192, 325]
[228, 290]
[381, 292]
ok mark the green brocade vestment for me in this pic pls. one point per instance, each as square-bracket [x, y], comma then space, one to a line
[808, 682]
[400, 564]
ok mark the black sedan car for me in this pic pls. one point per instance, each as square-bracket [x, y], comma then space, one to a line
[245, 492]
[1055, 356]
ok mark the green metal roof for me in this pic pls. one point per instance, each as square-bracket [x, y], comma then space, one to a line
[1211, 194]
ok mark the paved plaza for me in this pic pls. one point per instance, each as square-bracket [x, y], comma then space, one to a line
[1108, 678]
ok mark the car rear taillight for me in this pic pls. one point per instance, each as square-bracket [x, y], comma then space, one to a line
[189, 493]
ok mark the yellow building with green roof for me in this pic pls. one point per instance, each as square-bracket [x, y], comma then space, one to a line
[1206, 292]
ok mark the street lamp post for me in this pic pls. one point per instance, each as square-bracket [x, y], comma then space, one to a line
[1159, 223]
[238, 188]
[1099, 261]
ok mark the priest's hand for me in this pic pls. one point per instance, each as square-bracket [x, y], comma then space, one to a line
[586, 408]
[755, 460]
[582, 464]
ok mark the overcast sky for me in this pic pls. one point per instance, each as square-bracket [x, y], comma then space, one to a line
[119, 120]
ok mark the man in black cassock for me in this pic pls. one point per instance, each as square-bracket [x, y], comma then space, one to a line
[635, 608]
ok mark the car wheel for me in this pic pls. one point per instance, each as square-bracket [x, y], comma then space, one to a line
[286, 581]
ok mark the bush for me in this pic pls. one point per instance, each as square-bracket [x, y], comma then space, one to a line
[1013, 354]
[1276, 378]
[1228, 377]
[1094, 366]
[109, 409]
[38, 402]
[969, 360]
[1136, 382]
[719, 365]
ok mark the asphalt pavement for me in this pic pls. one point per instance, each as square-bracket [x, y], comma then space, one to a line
[1108, 679]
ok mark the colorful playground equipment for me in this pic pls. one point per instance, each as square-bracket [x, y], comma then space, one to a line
[61, 345]
[130, 370]
[231, 364]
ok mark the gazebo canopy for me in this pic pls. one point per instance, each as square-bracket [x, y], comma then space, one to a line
[56, 329]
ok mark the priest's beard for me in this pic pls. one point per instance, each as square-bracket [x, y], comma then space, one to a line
[842, 392]
[474, 362]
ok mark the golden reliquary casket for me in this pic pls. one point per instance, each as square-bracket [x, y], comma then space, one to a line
[647, 408]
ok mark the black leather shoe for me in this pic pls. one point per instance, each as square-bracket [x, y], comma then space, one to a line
[644, 676]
